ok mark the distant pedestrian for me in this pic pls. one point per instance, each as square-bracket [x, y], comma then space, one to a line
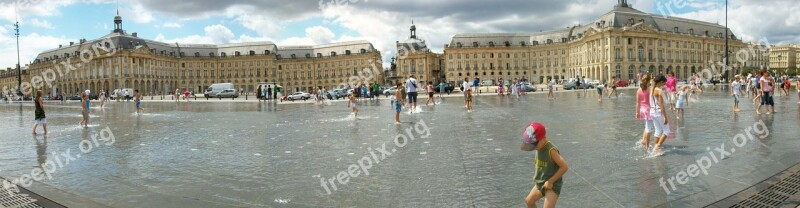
[186, 95]
[672, 83]
[469, 100]
[85, 106]
[397, 103]
[177, 95]
[465, 86]
[550, 90]
[683, 102]
[500, 87]
[475, 84]
[258, 93]
[269, 92]
[735, 88]
[429, 90]
[102, 98]
[353, 106]
[441, 88]
[137, 99]
[600, 93]
[39, 115]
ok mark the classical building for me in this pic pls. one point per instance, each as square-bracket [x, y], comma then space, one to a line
[8, 79]
[783, 57]
[754, 57]
[619, 44]
[155, 67]
[414, 57]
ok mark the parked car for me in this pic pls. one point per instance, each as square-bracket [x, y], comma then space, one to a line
[227, 93]
[390, 91]
[75, 97]
[528, 87]
[622, 83]
[448, 88]
[574, 85]
[299, 96]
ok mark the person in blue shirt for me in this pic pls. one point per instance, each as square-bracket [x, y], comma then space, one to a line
[475, 84]
[441, 88]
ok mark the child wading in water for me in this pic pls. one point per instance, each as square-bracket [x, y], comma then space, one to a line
[643, 110]
[137, 99]
[85, 104]
[658, 114]
[682, 102]
[735, 88]
[39, 116]
[550, 166]
[352, 104]
[469, 99]
[397, 104]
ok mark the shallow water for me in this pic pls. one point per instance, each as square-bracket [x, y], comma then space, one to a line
[261, 155]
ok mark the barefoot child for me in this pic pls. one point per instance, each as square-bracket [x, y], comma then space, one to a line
[682, 102]
[85, 104]
[397, 104]
[735, 88]
[137, 99]
[352, 104]
[658, 114]
[643, 110]
[39, 116]
[550, 166]
[469, 99]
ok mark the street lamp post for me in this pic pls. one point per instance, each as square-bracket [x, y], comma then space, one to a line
[727, 53]
[19, 69]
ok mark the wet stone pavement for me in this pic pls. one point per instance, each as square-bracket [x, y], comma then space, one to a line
[262, 155]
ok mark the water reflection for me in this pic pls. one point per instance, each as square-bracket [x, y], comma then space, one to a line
[41, 149]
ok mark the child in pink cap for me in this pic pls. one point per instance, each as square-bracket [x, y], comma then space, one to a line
[550, 166]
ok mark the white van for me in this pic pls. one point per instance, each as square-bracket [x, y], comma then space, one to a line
[212, 90]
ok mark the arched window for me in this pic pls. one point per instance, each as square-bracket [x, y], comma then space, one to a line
[458, 44]
[266, 52]
[223, 54]
[319, 55]
[196, 54]
[363, 50]
[333, 53]
[252, 53]
[347, 52]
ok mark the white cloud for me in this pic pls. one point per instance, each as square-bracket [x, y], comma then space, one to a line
[41, 23]
[171, 25]
[29, 46]
[137, 13]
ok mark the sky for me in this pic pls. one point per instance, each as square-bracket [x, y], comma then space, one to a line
[44, 24]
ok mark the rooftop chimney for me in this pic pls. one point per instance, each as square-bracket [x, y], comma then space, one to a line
[136, 35]
[59, 45]
[71, 43]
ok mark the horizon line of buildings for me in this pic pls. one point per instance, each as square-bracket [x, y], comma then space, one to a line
[618, 45]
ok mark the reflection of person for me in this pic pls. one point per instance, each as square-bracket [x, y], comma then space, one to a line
[550, 166]
[41, 150]
[39, 116]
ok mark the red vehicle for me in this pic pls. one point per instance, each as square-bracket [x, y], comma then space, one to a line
[622, 83]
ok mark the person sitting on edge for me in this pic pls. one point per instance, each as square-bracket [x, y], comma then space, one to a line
[550, 166]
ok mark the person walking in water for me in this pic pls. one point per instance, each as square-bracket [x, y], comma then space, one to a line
[766, 93]
[397, 103]
[411, 87]
[658, 114]
[39, 116]
[549, 164]
[85, 105]
[137, 99]
[429, 88]
[550, 90]
[682, 102]
[352, 104]
[177, 95]
[643, 110]
[102, 98]
[735, 88]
